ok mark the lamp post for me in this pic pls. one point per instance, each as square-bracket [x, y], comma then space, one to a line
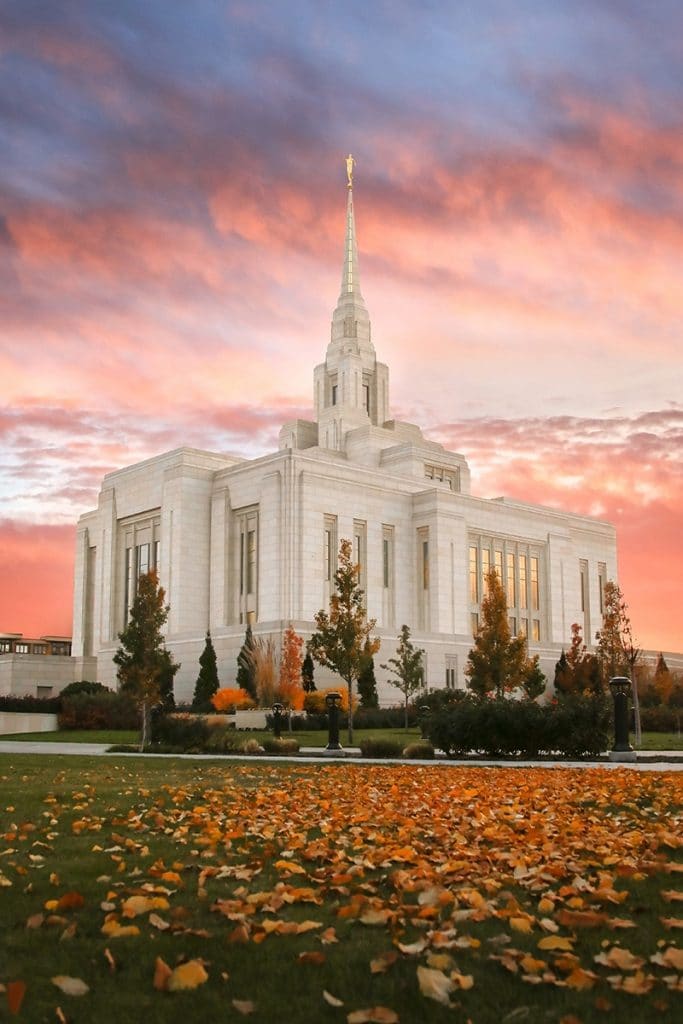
[277, 719]
[425, 711]
[333, 703]
[622, 750]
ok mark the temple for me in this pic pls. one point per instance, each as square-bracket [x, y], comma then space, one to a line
[239, 541]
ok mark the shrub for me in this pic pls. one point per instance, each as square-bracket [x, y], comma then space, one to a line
[252, 747]
[30, 705]
[281, 746]
[84, 686]
[228, 699]
[99, 710]
[222, 741]
[420, 750]
[314, 703]
[661, 719]
[183, 731]
[380, 746]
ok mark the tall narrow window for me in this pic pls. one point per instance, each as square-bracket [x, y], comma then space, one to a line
[359, 551]
[485, 568]
[535, 595]
[511, 587]
[242, 564]
[425, 565]
[366, 398]
[522, 582]
[334, 394]
[251, 561]
[474, 575]
[583, 578]
[602, 579]
[143, 560]
[247, 541]
[474, 623]
[498, 563]
[329, 553]
[536, 631]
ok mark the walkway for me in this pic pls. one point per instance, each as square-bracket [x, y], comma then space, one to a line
[648, 760]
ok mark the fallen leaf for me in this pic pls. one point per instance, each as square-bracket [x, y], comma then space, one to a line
[115, 930]
[16, 990]
[580, 979]
[110, 960]
[187, 976]
[312, 957]
[158, 922]
[435, 985]
[162, 972]
[70, 901]
[671, 957]
[521, 924]
[244, 1006]
[381, 964]
[330, 999]
[672, 922]
[413, 948]
[620, 958]
[35, 920]
[672, 895]
[70, 986]
[375, 1015]
[555, 942]
[462, 981]
[580, 918]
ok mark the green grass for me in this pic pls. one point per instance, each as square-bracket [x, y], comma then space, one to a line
[110, 736]
[131, 815]
[661, 741]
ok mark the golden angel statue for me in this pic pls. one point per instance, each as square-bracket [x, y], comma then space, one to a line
[350, 164]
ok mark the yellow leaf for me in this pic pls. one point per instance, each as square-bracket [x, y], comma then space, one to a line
[555, 942]
[462, 981]
[187, 976]
[114, 930]
[376, 917]
[70, 986]
[580, 979]
[307, 926]
[435, 985]
[623, 959]
[162, 972]
[521, 924]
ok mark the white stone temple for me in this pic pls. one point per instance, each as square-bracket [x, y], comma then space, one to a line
[239, 541]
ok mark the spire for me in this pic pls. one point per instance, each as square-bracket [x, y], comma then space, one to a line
[350, 283]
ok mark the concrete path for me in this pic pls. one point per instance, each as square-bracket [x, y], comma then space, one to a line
[648, 760]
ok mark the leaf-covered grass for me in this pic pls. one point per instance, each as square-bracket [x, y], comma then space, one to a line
[465, 872]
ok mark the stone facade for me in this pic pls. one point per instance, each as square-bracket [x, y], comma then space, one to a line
[237, 541]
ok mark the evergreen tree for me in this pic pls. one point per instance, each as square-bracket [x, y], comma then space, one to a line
[207, 681]
[246, 676]
[407, 668]
[367, 684]
[578, 670]
[342, 641]
[145, 667]
[534, 682]
[307, 680]
[617, 651]
[498, 662]
[663, 680]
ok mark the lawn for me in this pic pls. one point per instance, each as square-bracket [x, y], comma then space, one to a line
[317, 738]
[548, 895]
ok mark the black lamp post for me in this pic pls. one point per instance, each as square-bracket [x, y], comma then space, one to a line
[622, 750]
[277, 719]
[425, 711]
[333, 703]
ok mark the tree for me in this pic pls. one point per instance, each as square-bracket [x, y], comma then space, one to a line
[290, 690]
[262, 662]
[245, 665]
[342, 640]
[145, 667]
[578, 670]
[617, 650]
[367, 684]
[207, 681]
[534, 682]
[663, 681]
[407, 668]
[307, 680]
[498, 662]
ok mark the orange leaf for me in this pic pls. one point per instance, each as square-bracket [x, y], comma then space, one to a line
[70, 901]
[382, 963]
[187, 976]
[162, 972]
[580, 918]
[16, 990]
[555, 942]
[312, 958]
[375, 1015]
[620, 958]
[580, 979]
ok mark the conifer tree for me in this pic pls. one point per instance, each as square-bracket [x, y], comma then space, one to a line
[246, 675]
[663, 681]
[207, 681]
[578, 670]
[145, 667]
[342, 640]
[617, 650]
[307, 674]
[407, 668]
[367, 684]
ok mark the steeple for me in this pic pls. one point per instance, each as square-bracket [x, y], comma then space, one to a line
[351, 387]
[350, 294]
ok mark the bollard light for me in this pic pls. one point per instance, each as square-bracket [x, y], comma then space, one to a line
[277, 719]
[620, 688]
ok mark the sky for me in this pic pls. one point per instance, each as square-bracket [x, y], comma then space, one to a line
[172, 207]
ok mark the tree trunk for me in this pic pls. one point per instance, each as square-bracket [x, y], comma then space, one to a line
[636, 706]
[144, 730]
[349, 685]
[406, 714]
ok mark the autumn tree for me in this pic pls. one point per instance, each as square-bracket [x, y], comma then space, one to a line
[290, 690]
[145, 667]
[578, 670]
[207, 681]
[367, 684]
[407, 668]
[498, 662]
[245, 665]
[307, 674]
[342, 639]
[617, 649]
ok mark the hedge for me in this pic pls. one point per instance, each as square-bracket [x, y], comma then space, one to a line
[99, 710]
[381, 746]
[573, 727]
[30, 705]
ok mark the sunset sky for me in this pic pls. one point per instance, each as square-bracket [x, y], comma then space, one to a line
[172, 202]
